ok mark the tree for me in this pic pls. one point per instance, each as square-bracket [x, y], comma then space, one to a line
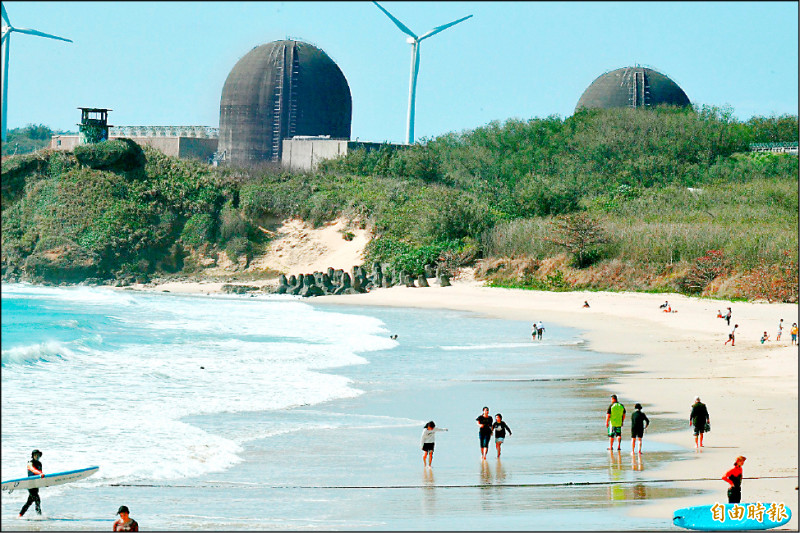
[580, 234]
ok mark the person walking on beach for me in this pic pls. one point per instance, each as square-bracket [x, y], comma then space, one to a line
[533, 331]
[734, 479]
[484, 431]
[732, 335]
[428, 442]
[699, 418]
[539, 330]
[34, 469]
[615, 417]
[794, 333]
[780, 330]
[125, 522]
[728, 316]
[639, 422]
[500, 429]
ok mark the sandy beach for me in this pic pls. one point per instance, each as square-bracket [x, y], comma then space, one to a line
[750, 388]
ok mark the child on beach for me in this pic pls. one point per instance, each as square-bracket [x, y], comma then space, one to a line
[780, 330]
[764, 337]
[427, 441]
[794, 333]
[500, 429]
[639, 422]
[732, 335]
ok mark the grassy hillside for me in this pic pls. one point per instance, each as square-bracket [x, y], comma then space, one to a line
[665, 199]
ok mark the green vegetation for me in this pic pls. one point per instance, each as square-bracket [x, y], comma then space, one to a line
[656, 200]
[28, 139]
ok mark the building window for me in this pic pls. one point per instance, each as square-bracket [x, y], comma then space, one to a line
[58, 142]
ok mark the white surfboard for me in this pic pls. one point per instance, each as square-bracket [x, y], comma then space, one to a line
[59, 478]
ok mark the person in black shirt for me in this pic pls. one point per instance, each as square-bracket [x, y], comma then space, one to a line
[639, 422]
[34, 469]
[698, 418]
[484, 431]
[500, 429]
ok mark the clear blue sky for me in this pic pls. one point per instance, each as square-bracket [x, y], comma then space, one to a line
[164, 63]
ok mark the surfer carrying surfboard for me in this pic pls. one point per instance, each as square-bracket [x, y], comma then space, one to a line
[34, 469]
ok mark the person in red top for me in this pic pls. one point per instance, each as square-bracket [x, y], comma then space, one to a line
[734, 478]
[125, 522]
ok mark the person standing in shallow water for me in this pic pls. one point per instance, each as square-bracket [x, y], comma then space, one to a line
[500, 429]
[639, 422]
[698, 418]
[734, 479]
[484, 431]
[34, 469]
[125, 522]
[615, 417]
[428, 442]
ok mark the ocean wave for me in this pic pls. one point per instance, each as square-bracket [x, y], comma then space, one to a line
[44, 352]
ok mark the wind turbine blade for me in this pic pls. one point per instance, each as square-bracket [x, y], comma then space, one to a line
[437, 29]
[397, 23]
[5, 16]
[40, 34]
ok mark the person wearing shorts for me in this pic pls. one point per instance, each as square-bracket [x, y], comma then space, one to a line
[639, 423]
[428, 442]
[615, 417]
[794, 333]
[484, 431]
[500, 429]
[698, 418]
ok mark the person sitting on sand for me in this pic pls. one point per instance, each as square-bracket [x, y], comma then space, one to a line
[664, 305]
[427, 441]
[585, 303]
[719, 314]
[764, 337]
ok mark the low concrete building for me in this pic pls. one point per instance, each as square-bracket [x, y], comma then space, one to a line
[305, 152]
[185, 142]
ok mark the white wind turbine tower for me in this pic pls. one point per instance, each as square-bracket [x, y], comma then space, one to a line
[414, 41]
[8, 29]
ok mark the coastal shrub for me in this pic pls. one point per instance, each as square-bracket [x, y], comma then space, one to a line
[580, 235]
[773, 282]
[704, 270]
[117, 154]
[197, 230]
[237, 247]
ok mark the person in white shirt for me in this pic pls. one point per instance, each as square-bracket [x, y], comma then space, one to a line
[427, 441]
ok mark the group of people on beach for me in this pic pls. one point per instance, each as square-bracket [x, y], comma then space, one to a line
[486, 426]
[700, 421]
[764, 338]
[124, 523]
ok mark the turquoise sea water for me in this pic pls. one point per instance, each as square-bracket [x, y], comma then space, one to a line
[277, 413]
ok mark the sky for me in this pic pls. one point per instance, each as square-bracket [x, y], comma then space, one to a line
[164, 63]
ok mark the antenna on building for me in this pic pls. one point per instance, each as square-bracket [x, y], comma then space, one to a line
[8, 29]
[414, 41]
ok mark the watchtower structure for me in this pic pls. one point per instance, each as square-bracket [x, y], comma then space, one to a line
[94, 124]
